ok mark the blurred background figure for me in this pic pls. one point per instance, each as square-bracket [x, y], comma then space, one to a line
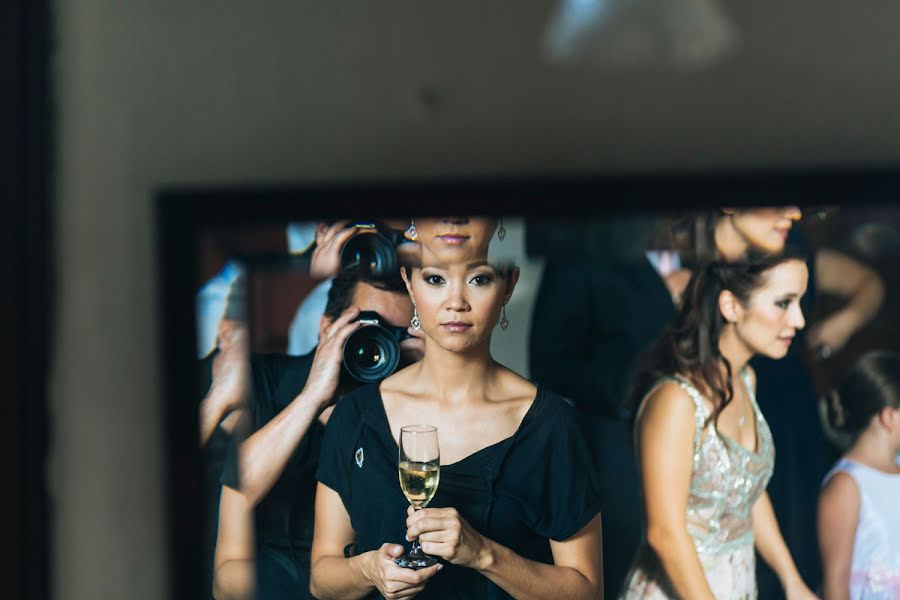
[610, 288]
[596, 310]
[223, 412]
[858, 517]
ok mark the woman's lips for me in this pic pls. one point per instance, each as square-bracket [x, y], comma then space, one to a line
[453, 239]
[786, 339]
[456, 326]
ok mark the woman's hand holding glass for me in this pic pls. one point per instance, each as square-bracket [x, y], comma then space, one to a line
[442, 532]
[393, 581]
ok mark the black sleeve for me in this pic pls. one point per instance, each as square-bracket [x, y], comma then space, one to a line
[230, 476]
[338, 446]
[568, 352]
[569, 494]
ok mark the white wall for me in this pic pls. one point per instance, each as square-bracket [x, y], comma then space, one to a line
[165, 92]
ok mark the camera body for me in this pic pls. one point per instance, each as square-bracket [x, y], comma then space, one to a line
[372, 250]
[372, 352]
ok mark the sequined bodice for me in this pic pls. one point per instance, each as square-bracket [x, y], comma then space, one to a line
[726, 478]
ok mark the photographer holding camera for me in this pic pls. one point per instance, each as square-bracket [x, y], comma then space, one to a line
[362, 335]
[375, 249]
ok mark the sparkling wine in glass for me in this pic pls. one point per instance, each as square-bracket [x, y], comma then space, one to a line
[420, 471]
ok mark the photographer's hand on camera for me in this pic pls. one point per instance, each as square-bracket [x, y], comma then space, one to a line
[326, 257]
[321, 385]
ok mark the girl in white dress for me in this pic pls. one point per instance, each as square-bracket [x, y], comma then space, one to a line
[859, 508]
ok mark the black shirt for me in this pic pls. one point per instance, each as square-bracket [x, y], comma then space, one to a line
[536, 485]
[284, 517]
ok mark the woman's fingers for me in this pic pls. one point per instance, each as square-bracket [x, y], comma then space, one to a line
[429, 525]
[442, 549]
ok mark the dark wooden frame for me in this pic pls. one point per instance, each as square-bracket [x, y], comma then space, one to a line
[25, 238]
[183, 215]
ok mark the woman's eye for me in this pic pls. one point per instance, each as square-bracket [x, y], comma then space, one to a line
[434, 279]
[481, 279]
[783, 304]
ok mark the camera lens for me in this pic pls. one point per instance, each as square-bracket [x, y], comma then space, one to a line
[368, 355]
[371, 353]
[371, 253]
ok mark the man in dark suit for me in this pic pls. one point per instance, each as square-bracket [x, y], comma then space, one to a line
[593, 317]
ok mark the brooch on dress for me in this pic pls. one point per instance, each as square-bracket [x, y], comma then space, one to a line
[360, 457]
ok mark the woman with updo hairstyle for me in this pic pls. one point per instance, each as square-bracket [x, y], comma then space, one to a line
[704, 449]
[859, 507]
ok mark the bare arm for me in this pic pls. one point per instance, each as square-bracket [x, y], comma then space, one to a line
[264, 455]
[665, 444]
[838, 274]
[576, 572]
[837, 520]
[770, 545]
[334, 576]
[229, 381]
[234, 577]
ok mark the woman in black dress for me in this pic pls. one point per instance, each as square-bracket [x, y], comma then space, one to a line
[516, 513]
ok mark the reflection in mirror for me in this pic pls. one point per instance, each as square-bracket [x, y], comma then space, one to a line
[521, 341]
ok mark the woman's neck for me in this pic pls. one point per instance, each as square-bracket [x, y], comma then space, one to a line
[730, 244]
[874, 449]
[456, 377]
[734, 350]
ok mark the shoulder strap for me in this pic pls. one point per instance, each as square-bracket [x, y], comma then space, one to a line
[843, 465]
[700, 410]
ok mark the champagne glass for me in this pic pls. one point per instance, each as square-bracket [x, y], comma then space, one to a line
[420, 472]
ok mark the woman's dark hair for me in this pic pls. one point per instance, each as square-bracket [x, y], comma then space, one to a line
[690, 346]
[869, 386]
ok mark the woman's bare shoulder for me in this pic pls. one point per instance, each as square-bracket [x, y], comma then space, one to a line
[513, 387]
[667, 400]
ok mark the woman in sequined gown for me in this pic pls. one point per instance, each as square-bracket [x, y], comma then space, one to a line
[704, 448]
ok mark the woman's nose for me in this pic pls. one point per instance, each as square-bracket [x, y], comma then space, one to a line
[457, 299]
[793, 213]
[796, 318]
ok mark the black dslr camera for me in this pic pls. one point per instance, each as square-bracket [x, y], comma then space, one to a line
[372, 352]
[372, 251]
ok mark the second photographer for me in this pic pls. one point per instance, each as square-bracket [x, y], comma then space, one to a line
[291, 402]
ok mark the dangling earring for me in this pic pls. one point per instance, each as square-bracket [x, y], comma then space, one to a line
[411, 233]
[415, 322]
[501, 233]
[504, 322]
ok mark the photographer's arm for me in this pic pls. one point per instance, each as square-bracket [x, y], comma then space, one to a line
[264, 455]
[229, 380]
